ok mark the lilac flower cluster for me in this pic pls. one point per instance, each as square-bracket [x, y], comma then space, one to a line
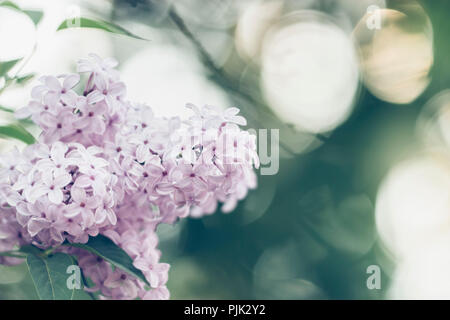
[103, 165]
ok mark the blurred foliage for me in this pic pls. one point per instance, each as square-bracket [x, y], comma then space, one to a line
[96, 24]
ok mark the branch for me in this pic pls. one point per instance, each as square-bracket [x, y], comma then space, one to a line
[225, 79]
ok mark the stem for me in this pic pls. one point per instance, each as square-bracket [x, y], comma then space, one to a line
[49, 251]
[25, 62]
[226, 80]
[11, 80]
[12, 254]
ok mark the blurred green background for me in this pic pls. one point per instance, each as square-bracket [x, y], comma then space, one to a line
[307, 232]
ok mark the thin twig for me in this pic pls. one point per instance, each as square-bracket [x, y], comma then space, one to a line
[226, 80]
[179, 22]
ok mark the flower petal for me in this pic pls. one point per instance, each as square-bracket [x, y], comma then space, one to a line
[71, 81]
[55, 196]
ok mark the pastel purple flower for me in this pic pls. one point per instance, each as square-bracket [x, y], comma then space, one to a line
[105, 165]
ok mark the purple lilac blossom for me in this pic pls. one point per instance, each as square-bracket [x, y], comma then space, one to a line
[105, 165]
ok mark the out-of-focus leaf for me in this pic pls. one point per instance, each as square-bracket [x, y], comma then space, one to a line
[12, 274]
[9, 4]
[108, 250]
[258, 201]
[50, 277]
[7, 65]
[347, 227]
[5, 109]
[24, 79]
[82, 22]
[22, 290]
[35, 15]
[18, 132]
[25, 122]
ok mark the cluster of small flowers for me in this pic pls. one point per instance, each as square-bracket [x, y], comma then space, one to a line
[104, 165]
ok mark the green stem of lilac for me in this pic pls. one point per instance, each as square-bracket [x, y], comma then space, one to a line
[49, 251]
[13, 254]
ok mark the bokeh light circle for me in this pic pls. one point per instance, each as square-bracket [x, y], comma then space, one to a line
[413, 203]
[396, 55]
[309, 71]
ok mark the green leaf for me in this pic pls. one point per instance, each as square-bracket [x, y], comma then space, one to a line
[6, 66]
[82, 22]
[5, 109]
[9, 4]
[25, 78]
[25, 122]
[49, 276]
[22, 290]
[108, 250]
[16, 131]
[30, 249]
[13, 254]
[35, 15]
[82, 295]
[12, 274]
